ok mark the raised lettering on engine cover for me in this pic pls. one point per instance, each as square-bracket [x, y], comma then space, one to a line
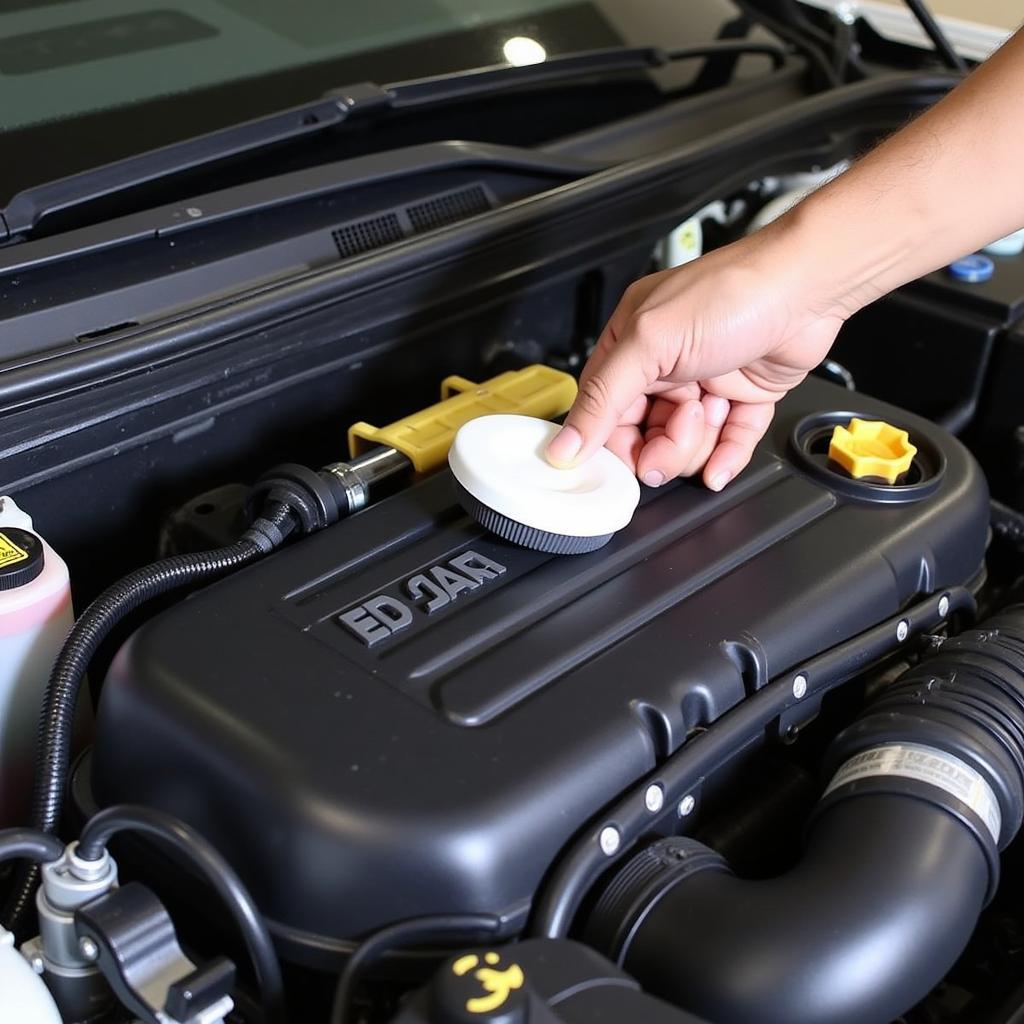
[382, 616]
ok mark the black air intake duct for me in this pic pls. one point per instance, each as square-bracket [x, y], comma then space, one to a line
[901, 856]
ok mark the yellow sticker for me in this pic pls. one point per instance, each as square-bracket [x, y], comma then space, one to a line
[10, 553]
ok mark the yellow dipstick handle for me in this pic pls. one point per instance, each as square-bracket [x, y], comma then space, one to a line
[425, 437]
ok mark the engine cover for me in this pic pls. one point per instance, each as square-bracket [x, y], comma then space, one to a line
[403, 715]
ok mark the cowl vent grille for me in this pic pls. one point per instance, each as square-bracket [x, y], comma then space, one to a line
[368, 233]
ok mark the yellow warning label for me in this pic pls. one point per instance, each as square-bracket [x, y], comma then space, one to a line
[10, 553]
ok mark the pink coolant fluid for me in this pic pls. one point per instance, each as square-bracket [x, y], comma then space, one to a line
[35, 617]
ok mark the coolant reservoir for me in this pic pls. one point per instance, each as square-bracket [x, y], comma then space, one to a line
[35, 617]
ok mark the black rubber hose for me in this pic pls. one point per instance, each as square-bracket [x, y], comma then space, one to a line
[53, 744]
[217, 872]
[452, 929]
[859, 932]
[901, 856]
[32, 845]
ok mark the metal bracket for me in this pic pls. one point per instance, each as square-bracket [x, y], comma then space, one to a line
[131, 938]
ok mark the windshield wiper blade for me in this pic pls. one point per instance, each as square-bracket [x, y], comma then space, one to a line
[26, 209]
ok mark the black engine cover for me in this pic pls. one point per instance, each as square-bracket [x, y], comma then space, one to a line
[403, 715]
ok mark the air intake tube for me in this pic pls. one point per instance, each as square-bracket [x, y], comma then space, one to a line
[902, 853]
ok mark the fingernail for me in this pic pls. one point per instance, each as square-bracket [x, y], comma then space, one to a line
[715, 411]
[654, 478]
[719, 480]
[565, 446]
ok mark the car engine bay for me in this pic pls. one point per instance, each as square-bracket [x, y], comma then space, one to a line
[316, 746]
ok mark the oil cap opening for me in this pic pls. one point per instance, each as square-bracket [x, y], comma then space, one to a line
[21, 557]
[868, 458]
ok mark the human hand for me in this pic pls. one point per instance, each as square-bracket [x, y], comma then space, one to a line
[687, 372]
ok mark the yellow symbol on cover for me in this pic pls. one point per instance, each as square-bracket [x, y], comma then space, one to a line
[498, 985]
[10, 553]
[872, 448]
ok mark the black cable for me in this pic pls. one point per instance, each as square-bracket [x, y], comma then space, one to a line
[30, 844]
[454, 929]
[794, 15]
[943, 47]
[795, 38]
[215, 869]
[841, 42]
[53, 743]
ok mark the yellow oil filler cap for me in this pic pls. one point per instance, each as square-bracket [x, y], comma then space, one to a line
[872, 448]
[425, 437]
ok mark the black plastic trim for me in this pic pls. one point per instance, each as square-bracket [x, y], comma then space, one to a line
[754, 145]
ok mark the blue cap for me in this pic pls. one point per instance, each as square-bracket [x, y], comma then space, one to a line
[973, 269]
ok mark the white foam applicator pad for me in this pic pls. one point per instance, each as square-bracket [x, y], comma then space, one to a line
[507, 484]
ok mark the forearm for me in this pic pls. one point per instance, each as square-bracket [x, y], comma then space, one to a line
[947, 184]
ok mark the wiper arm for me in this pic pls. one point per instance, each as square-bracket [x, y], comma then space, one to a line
[480, 81]
[363, 100]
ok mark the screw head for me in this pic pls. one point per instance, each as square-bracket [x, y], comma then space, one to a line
[686, 806]
[800, 686]
[944, 605]
[88, 948]
[609, 840]
[902, 630]
[654, 798]
[36, 963]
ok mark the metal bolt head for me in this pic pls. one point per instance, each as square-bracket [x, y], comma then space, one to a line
[902, 630]
[654, 798]
[944, 605]
[36, 963]
[88, 948]
[609, 840]
[686, 806]
[800, 686]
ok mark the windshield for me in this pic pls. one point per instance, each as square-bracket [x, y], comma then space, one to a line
[62, 59]
[87, 82]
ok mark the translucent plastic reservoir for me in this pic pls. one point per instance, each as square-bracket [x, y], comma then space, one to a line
[35, 617]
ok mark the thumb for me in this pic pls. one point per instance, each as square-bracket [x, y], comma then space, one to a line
[612, 381]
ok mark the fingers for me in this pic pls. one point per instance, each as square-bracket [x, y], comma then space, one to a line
[681, 434]
[743, 428]
[626, 442]
[609, 387]
[668, 449]
[612, 386]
